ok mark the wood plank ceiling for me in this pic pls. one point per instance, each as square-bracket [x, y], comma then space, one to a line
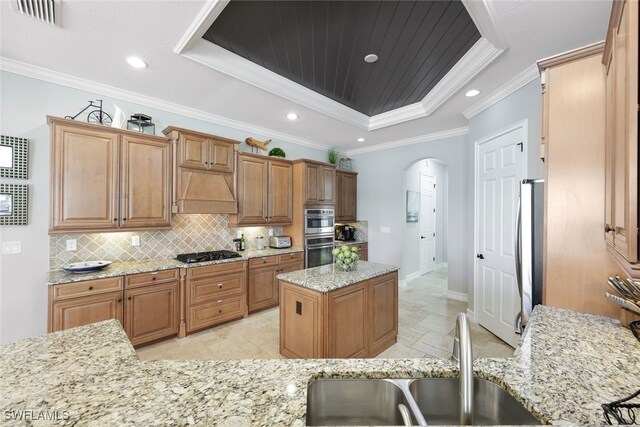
[322, 44]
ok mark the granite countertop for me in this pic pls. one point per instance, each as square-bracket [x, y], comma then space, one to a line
[566, 366]
[328, 278]
[120, 268]
[349, 242]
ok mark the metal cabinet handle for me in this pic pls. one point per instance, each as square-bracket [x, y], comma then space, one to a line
[120, 300]
[608, 228]
[129, 298]
[124, 219]
[90, 288]
[219, 285]
[219, 301]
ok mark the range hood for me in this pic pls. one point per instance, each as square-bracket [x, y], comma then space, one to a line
[204, 193]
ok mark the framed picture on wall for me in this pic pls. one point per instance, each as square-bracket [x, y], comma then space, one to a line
[413, 206]
[14, 157]
[13, 204]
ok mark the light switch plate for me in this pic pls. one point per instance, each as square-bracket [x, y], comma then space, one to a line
[72, 244]
[135, 240]
[11, 247]
[385, 230]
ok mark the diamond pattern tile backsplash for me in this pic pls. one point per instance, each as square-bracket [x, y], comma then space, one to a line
[190, 233]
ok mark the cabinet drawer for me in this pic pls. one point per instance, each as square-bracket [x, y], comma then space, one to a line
[208, 288]
[296, 256]
[263, 261]
[143, 279]
[218, 311]
[86, 288]
[210, 270]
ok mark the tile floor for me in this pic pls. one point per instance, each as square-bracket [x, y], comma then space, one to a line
[426, 320]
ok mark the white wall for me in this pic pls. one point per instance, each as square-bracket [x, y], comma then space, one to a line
[411, 248]
[381, 201]
[24, 106]
[524, 104]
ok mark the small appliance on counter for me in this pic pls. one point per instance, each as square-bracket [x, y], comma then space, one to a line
[207, 256]
[345, 233]
[280, 242]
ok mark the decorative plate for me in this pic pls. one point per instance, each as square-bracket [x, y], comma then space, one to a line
[85, 266]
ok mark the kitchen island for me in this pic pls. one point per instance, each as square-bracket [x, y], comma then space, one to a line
[566, 366]
[329, 313]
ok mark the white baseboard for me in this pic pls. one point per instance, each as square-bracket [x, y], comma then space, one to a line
[458, 296]
[440, 265]
[471, 315]
[413, 275]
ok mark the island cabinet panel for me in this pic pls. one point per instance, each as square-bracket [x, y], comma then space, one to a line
[263, 287]
[347, 322]
[301, 314]
[151, 312]
[74, 312]
[382, 312]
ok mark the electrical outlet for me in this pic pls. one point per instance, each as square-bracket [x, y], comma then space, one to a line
[385, 230]
[72, 244]
[135, 240]
[11, 247]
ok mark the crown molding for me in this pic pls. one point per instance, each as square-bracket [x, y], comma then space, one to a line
[522, 79]
[195, 48]
[410, 141]
[480, 13]
[40, 73]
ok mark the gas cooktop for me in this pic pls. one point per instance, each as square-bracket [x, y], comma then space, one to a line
[207, 256]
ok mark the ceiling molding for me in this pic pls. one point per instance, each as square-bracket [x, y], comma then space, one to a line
[204, 19]
[410, 141]
[480, 13]
[40, 73]
[522, 79]
[194, 47]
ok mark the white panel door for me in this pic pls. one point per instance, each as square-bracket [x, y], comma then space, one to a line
[427, 223]
[499, 170]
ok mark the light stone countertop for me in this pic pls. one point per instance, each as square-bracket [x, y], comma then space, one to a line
[566, 366]
[349, 242]
[121, 268]
[328, 277]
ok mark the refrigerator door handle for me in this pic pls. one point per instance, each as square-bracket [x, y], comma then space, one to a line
[518, 259]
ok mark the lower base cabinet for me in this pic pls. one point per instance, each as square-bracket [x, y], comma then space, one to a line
[81, 311]
[263, 290]
[151, 312]
[360, 320]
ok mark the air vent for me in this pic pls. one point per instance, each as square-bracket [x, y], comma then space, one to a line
[43, 10]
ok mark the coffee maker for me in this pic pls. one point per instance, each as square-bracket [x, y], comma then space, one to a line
[344, 233]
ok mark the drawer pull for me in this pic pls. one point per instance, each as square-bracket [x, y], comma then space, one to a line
[219, 301]
[129, 298]
[219, 311]
[219, 285]
[154, 278]
[90, 288]
[120, 300]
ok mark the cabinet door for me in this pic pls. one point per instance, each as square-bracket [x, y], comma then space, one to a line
[84, 179]
[263, 288]
[280, 192]
[312, 183]
[347, 323]
[151, 312]
[221, 155]
[289, 267]
[83, 311]
[301, 315]
[383, 313]
[194, 151]
[609, 149]
[347, 196]
[327, 184]
[146, 183]
[252, 190]
[338, 210]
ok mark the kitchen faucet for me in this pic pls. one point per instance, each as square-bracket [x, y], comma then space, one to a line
[463, 354]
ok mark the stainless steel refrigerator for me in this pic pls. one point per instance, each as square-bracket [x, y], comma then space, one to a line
[528, 248]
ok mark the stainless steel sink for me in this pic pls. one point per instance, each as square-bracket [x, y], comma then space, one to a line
[356, 402]
[433, 401]
[439, 402]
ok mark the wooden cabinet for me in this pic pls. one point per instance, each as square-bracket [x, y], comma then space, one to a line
[107, 180]
[82, 303]
[203, 172]
[574, 251]
[318, 182]
[262, 286]
[215, 294]
[151, 312]
[346, 197]
[359, 320]
[265, 191]
[621, 181]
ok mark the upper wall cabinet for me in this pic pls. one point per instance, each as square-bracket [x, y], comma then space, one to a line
[265, 191]
[346, 200]
[319, 187]
[105, 179]
[621, 184]
[203, 172]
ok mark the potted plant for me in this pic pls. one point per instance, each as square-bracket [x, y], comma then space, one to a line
[277, 152]
[333, 156]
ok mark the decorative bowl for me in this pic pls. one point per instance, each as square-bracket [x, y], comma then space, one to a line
[85, 266]
[347, 264]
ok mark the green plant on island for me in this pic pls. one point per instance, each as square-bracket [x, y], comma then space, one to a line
[333, 156]
[277, 152]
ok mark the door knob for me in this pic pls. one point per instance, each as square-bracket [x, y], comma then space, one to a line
[480, 256]
[422, 237]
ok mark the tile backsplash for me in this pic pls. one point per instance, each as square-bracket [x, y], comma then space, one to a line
[190, 233]
[361, 230]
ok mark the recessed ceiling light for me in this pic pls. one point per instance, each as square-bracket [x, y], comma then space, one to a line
[360, 139]
[136, 62]
[371, 58]
[472, 92]
[292, 116]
